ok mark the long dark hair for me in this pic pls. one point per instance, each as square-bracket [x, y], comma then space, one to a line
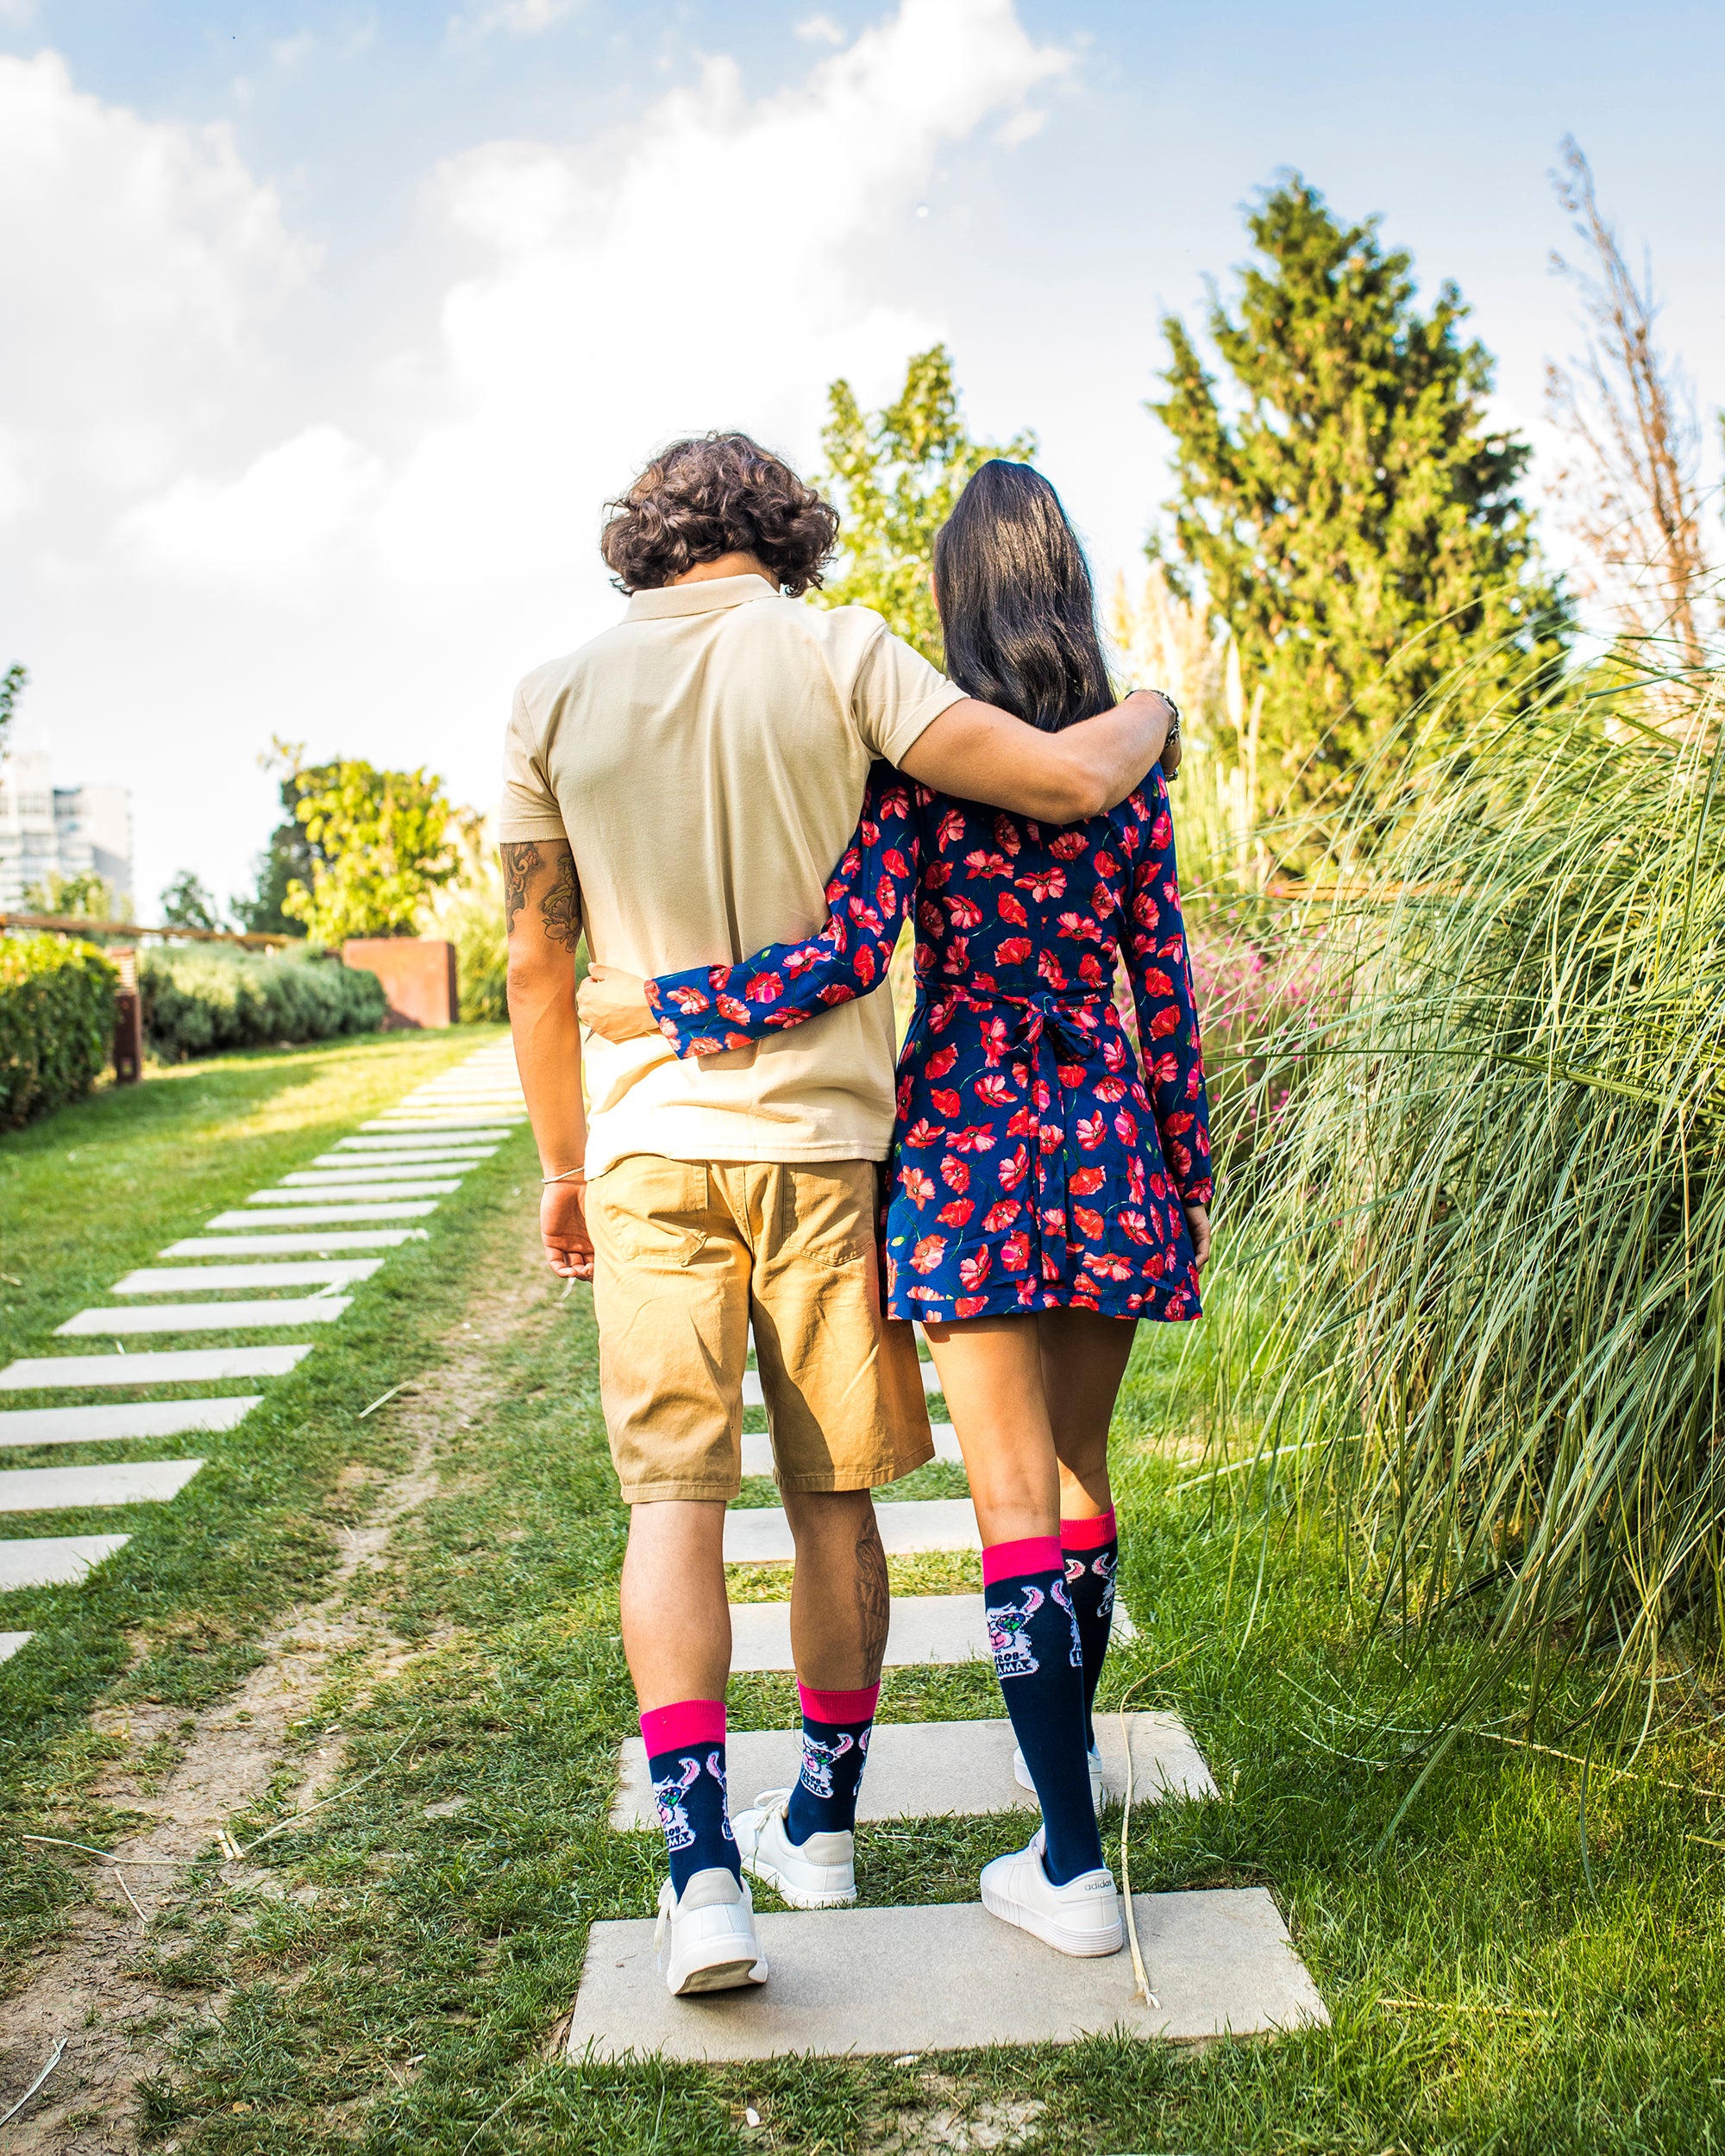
[1016, 604]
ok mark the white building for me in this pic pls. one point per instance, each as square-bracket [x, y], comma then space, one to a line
[69, 831]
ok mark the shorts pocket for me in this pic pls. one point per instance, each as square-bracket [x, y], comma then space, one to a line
[651, 1210]
[827, 1215]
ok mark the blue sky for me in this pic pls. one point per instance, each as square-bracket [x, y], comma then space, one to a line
[330, 326]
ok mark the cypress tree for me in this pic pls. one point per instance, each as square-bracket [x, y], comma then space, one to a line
[1348, 506]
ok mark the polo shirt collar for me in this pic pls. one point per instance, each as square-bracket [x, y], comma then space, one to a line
[703, 597]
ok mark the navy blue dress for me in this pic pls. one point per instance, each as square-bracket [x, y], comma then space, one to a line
[1035, 1166]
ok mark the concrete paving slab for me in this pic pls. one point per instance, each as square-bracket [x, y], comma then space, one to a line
[492, 1125]
[754, 1397]
[372, 1177]
[124, 1419]
[11, 1641]
[176, 1279]
[411, 1163]
[207, 1317]
[757, 1448]
[244, 1245]
[387, 1149]
[937, 1770]
[856, 1982]
[762, 1534]
[317, 1216]
[111, 1483]
[333, 1194]
[54, 1560]
[156, 1366]
[922, 1628]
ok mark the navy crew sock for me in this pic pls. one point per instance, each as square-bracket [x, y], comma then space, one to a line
[1039, 1663]
[1092, 1550]
[836, 1727]
[685, 1757]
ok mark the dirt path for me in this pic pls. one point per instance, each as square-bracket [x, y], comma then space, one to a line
[100, 1986]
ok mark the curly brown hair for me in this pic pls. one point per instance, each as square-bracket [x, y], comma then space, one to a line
[719, 493]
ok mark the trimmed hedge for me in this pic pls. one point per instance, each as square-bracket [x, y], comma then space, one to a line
[200, 1001]
[56, 1024]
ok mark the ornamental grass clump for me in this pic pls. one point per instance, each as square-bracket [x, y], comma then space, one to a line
[1475, 1313]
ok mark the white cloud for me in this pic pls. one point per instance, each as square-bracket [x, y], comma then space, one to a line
[820, 29]
[520, 18]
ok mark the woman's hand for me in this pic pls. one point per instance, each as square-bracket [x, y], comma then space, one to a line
[614, 1003]
[1198, 1227]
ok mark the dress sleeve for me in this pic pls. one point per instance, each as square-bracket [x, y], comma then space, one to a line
[707, 1009]
[1161, 971]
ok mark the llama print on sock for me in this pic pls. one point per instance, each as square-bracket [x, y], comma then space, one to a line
[819, 1758]
[1104, 1570]
[715, 1767]
[667, 1795]
[1006, 1634]
[1064, 1601]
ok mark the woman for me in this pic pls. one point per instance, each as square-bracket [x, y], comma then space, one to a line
[1043, 1194]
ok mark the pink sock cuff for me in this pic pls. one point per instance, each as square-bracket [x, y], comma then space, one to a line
[839, 1707]
[691, 1721]
[1088, 1534]
[1013, 1560]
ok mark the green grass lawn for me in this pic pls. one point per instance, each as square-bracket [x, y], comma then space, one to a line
[390, 1978]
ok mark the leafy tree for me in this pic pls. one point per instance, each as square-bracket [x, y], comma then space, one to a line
[893, 479]
[85, 897]
[13, 683]
[285, 860]
[1348, 506]
[187, 904]
[380, 843]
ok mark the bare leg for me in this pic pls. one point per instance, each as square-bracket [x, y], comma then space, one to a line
[1084, 1357]
[839, 1598]
[676, 1622]
[991, 1371]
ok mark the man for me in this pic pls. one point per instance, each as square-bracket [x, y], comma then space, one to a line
[680, 788]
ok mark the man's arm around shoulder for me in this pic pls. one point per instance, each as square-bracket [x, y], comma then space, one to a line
[980, 753]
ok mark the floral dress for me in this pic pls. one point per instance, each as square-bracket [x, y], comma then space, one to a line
[1033, 1167]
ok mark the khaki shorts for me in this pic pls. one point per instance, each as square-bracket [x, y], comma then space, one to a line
[685, 1254]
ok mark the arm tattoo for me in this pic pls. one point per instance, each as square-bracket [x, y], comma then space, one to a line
[520, 859]
[560, 909]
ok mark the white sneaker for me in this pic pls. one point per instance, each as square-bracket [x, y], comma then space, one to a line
[1082, 1917]
[706, 1939]
[1021, 1774]
[818, 1874]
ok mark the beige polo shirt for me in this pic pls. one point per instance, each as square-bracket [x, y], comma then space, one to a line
[706, 759]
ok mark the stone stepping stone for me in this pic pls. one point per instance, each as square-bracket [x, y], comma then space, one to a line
[757, 1448]
[754, 1397]
[315, 1216]
[406, 1148]
[847, 1981]
[110, 1483]
[492, 1126]
[922, 1628]
[128, 1419]
[762, 1534]
[54, 1560]
[401, 1163]
[339, 1187]
[936, 1769]
[410, 1180]
[174, 1280]
[159, 1366]
[243, 1245]
[11, 1641]
[206, 1317]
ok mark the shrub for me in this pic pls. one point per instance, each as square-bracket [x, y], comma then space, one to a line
[199, 1001]
[56, 1024]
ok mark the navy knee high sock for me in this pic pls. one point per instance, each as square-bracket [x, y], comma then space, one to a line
[1092, 1550]
[836, 1728]
[686, 1758]
[1037, 1659]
